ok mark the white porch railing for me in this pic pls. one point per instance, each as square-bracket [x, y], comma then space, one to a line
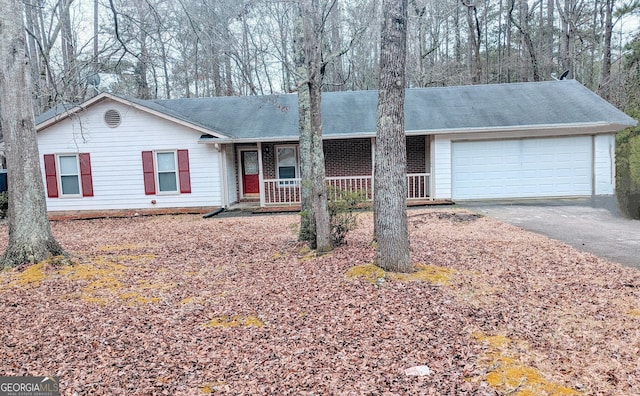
[418, 185]
[343, 185]
[281, 191]
[287, 191]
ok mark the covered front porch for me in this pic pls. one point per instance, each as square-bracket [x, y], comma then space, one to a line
[268, 172]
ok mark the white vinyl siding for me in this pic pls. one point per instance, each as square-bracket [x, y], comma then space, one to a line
[604, 164]
[522, 168]
[118, 180]
[230, 166]
[442, 167]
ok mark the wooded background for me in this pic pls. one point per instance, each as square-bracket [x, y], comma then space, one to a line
[193, 48]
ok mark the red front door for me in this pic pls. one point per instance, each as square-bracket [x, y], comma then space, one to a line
[250, 179]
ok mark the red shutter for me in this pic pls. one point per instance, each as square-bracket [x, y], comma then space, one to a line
[51, 176]
[183, 171]
[85, 175]
[149, 176]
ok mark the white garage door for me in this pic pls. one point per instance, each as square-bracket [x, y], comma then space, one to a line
[522, 168]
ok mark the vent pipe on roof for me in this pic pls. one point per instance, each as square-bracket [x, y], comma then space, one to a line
[563, 76]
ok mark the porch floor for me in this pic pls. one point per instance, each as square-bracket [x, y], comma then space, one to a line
[254, 207]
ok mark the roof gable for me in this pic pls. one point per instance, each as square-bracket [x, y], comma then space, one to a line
[64, 111]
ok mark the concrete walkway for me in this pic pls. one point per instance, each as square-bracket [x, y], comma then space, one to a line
[591, 225]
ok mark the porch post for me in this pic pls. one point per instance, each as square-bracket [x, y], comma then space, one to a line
[432, 173]
[222, 149]
[373, 165]
[260, 175]
[427, 153]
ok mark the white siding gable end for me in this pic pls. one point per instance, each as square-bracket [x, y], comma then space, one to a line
[116, 158]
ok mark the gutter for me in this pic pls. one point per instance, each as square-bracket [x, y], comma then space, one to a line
[586, 127]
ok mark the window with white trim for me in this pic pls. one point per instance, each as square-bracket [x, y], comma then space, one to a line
[167, 171]
[287, 164]
[69, 175]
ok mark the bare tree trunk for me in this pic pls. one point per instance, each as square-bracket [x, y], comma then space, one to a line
[390, 194]
[307, 224]
[71, 72]
[605, 74]
[548, 40]
[32, 25]
[30, 236]
[566, 39]
[43, 41]
[312, 29]
[142, 63]
[529, 50]
[508, 38]
[475, 35]
[336, 74]
[141, 69]
[319, 197]
[230, 90]
[500, 46]
[458, 35]
[215, 70]
[485, 18]
[96, 9]
[523, 27]
[425, 53]
[165, 70]
[196, 65]
[96, 49]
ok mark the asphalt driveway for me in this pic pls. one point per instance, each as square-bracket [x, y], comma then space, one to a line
[591, 224]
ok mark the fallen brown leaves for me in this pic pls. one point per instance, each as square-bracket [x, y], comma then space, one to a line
[180, 305]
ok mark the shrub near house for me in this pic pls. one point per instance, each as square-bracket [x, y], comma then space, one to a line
[4, 204]
[628, 170]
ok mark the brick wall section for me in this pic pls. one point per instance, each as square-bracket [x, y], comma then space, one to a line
[350, 157]
[343, 157]
[269, 160]
[416, 151]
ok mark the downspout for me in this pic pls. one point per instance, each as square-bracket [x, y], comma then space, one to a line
[223, 169]
[593, 165]
[612, 161]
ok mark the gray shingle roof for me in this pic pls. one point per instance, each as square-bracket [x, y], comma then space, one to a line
[427, 110]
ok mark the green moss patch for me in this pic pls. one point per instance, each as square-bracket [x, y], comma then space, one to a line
[507, 375]
[426, 273]
[234, 321]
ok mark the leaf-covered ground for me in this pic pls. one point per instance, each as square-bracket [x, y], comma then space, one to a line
[180, 305]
